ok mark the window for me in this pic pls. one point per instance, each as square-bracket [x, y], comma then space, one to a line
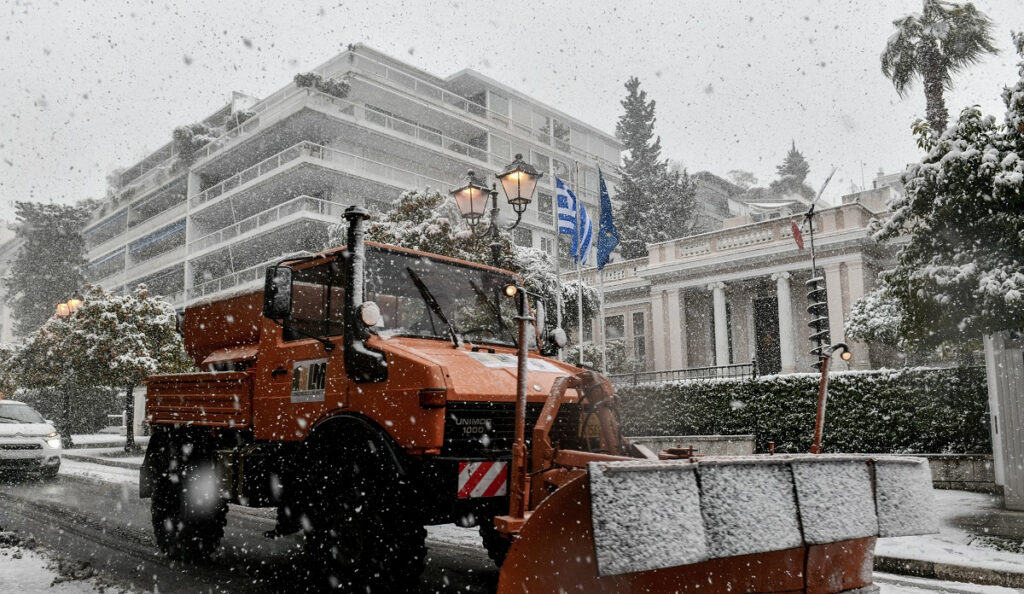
[561, 169]
[639, 340]
[501, 147]
[542, 127]
[318, 302]
[542, 162]
[588, 330]
[547, 245]
[499, 103]
[561, 133]
[614, 327]
[545, 204]
[523, 237]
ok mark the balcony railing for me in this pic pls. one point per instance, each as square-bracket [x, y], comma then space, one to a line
[286, 103]
[252, 275]
[306, 204]
[755, 234]
[735, 371]
[348, 162]
[436, 93]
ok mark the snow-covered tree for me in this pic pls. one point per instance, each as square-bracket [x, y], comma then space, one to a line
[657, 203]
[960, 273]
[792, 175]
[110, 341]
[876, 318]
[47, 269]
[933, 46]
[423, 220]
[741, 178]
[123, 339]
[8, 378]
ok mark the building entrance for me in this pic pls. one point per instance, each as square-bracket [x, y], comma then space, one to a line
[766, 335]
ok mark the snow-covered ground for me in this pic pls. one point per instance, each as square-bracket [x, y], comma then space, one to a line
[104, 438]
[28, 569]
[898, 584]
[953, 545]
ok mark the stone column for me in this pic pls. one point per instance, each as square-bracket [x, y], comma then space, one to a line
[721, 325]
[660, 339]
[676, 330]
[787, 344]
[834, 289]
[856, 285]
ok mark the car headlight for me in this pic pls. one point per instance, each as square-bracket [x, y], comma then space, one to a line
[53, 440]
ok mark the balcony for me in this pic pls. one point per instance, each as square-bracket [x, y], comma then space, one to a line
[128, 228]
[304, 205]
[371, 69]
[281, 105]
[315, 153]
[251, 278]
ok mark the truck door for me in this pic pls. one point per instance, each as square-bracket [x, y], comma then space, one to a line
[301, 380]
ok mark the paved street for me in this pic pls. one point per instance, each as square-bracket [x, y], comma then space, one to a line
[108, 525]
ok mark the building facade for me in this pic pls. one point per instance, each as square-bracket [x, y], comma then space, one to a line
[738, 294]
[284, 168]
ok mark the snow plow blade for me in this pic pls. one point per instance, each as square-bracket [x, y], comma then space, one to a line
[801, 523]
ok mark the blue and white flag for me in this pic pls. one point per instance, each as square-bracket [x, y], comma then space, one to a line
[607, 235]
[567, 223]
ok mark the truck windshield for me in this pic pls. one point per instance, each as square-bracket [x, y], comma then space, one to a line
[472, 299]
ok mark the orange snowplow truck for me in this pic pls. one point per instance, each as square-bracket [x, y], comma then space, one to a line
[370, 391]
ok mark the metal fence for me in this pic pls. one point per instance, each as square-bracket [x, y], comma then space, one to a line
[735, 371]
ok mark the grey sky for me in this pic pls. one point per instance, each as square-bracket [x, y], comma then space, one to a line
[87, 86]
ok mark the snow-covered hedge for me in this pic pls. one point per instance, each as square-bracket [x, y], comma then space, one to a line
[917, 410]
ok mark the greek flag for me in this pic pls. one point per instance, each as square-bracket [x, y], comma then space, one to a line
[567, 221]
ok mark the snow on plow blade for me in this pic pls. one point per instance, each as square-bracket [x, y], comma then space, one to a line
[747, 524]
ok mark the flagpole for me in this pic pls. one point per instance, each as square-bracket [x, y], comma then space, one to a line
[579, 259]
[600, 277]
[558, 274]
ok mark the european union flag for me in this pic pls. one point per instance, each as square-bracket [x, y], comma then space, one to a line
[607, 236]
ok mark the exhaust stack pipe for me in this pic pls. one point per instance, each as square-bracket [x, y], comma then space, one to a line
[362, 364]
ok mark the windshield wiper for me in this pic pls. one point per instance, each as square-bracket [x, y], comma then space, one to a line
[11, 419]
[432, 303]
[494, 309]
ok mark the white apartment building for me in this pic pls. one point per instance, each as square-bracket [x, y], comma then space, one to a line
[273, 185]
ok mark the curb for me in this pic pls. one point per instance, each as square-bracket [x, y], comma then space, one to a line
[950, 572]
[100, 460]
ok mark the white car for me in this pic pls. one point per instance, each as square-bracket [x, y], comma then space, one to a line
[27, 442]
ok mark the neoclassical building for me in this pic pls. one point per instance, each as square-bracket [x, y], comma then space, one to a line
[738, 294]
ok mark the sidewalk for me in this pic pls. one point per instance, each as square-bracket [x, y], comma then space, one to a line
[978, 543]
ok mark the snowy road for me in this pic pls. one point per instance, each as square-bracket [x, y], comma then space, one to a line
[107, 525]
[92, 513]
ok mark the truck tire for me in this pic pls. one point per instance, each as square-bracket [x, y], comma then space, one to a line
[361, 526]
[497, 545]
[188, 511]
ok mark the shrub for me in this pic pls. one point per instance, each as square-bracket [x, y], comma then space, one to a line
[334, 88]
[917, 410]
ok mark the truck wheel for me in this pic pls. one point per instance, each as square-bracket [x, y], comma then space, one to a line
[360, 526]
[497, 545]
[188, 511]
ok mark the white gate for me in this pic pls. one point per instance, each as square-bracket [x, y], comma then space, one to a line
[1004, 364]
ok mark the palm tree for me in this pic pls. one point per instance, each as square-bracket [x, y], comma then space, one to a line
[933, 46]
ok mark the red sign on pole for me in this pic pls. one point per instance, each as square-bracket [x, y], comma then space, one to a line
[797, 235]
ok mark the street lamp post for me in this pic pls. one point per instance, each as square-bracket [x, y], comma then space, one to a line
[518, 180]
[64, 310]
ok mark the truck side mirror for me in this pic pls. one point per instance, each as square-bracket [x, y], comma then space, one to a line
[277, 293]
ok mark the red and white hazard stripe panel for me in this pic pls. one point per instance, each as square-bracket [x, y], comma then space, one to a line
[483, 479]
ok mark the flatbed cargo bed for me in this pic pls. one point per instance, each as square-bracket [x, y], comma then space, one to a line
[211, 399]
